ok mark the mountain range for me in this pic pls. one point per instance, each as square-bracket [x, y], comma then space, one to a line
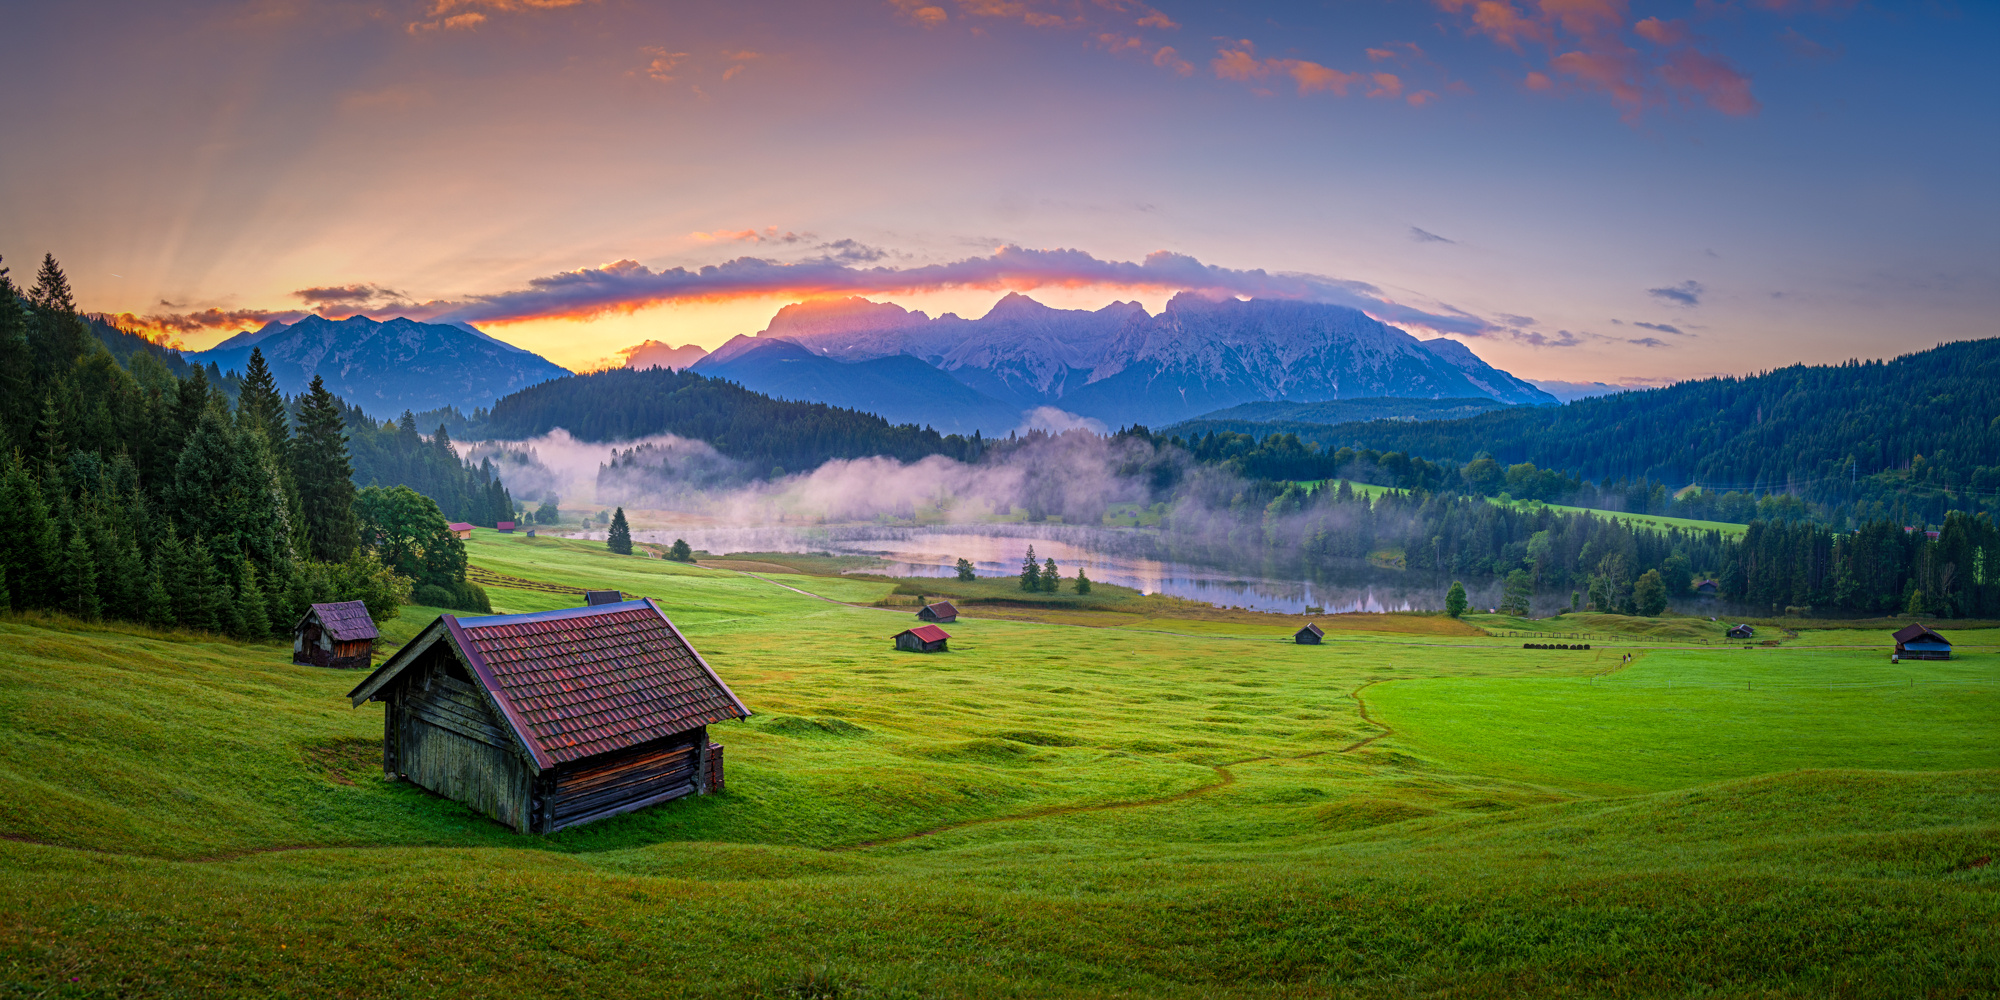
[1118, 365]
[388, 367]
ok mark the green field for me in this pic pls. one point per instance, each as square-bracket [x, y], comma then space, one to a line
[1643, 520]
[1146, 806]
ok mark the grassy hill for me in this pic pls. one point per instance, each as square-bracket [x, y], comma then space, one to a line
[1048, 811]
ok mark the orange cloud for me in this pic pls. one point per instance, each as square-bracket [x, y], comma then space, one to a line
[1715, 80]
[442, 17]
[1421, 98]
[1240, 63]
[1386, 85]
[924, 14]
[662, 66]
[1121, 43]
[1661, 32]
[1169, 59]
[769, 234]
[1379, 55]
[1157, 20]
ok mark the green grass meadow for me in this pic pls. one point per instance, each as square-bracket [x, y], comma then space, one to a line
[1133, 805]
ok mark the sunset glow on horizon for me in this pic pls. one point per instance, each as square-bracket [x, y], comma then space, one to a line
[1591, 190]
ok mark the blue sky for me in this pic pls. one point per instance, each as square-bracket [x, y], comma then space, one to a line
[1579, 189]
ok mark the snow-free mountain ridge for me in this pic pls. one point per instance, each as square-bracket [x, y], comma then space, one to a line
[388, 367]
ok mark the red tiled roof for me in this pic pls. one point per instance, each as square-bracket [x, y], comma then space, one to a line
[504, 526]
[459, 526]
[928, 633]
[584, 681]
[346, 621]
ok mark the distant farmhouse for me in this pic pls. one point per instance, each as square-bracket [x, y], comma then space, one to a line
[550, 720]
[1921, 642]
[1310, 635]
[1741, 631]
[339, 635]
[923, 639]
[940, 612]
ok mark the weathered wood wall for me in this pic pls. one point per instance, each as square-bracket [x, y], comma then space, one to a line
[450, 742]
[641, 776]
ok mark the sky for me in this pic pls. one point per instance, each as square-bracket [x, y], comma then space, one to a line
[1586, 190]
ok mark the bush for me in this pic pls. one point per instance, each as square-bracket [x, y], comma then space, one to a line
[461, 596]
[433, 596]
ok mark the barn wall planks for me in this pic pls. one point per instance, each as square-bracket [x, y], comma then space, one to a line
[478, 774]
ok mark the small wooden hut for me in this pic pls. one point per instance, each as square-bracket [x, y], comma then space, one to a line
[460, 528]
[1707, 588]
[593, 598]
[938, 612]
[1310, 635]
[549, 720]
[1741, 631]
[339, 635]
[923, 639]
[1921, 642]
[504, 527]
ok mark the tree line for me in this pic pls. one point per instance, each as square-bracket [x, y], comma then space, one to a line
[143, 494]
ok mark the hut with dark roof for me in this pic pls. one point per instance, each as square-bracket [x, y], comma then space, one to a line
[597, 597]
[340, 635]
[1310, 635]
[550, 720]
[938, 612]
[1921, 642]
[923, 639]
[1741, 632]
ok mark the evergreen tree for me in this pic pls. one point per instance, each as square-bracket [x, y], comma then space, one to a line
[252, 619]
[50, 446]
[78, 580]
[1454, 599]
[1051, 579]
[965, 570]
[58, 335]
[1082, 581]
[30, 546]
[159, 605]
[680, 552]
[259, 404]
[325, 476]
[1031, 572]
[619, 538]
[1575, 600]
[17, 366]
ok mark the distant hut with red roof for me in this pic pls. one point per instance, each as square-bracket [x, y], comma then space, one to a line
[460, 528]
[504, 527]
[553, 719]
[923, 639]
[938, 612]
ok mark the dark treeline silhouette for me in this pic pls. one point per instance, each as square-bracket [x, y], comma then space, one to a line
[622, 405]
[393, 453]
[144, 491]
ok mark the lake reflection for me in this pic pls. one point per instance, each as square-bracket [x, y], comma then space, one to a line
[1124, 557]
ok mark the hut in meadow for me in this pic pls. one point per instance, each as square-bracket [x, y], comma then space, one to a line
[1707, 588]
[339, 635]
[1921, 642]
[553, 719]
[938, 612]
[1310, 635]
[923, 639]
[1741, 631]
[504, 527]
[594, 598]
[460, 528]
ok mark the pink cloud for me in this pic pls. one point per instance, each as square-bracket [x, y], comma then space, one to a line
[1169, 59]
[1239, 62]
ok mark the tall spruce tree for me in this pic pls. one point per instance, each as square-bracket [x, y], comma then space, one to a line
[78, 580]
[30, 546]
[259, 404]
[1031, 572]
[619, 538]
[325, 476]
[1051, 577]
[58, 336]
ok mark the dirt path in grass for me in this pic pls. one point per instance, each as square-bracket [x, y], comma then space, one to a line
[1363, 706]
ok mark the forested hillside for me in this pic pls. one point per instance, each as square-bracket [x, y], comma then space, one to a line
[1909, 438]
[622, 405]
[138, 494]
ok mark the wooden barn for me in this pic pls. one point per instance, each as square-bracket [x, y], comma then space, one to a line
[1741, 631]
[504, 527]
[553, 719]
[1310, 635]
[594, 598]
[923, 639]
[1921, 642]
[460, 528]
[938, 612]
[339, 635]
[1707, 588]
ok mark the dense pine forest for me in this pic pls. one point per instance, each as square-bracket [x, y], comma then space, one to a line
[1908, 439]
[623, 405]
[139, 488]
